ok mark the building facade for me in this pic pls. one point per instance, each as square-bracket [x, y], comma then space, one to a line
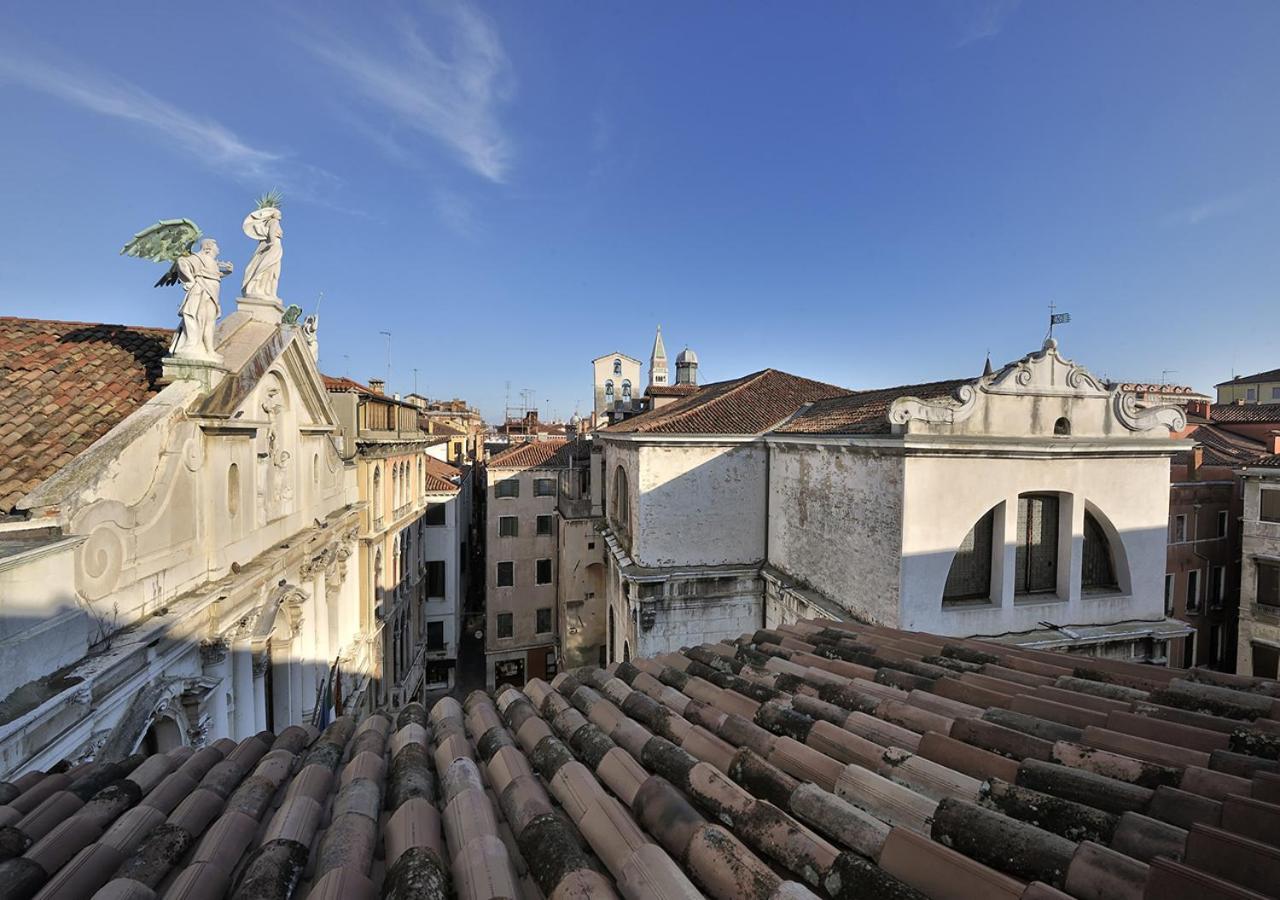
[580, 569]
[1028, 504]
[1258, 651]
[615, 384]
[382, 435]
[521, 632]
[178, 540]
[1260, 387]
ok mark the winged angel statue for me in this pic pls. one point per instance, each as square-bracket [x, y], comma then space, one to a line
[199, 271]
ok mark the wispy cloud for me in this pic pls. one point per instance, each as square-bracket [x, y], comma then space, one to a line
[984, 19]
[456, 212]
[209, 142]
[1223, 205]
[449, 88]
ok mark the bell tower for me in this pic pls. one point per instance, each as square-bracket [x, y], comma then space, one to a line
[658, 373]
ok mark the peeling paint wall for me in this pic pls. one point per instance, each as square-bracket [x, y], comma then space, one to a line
[679, 623]
[686, 493]
[835, 523]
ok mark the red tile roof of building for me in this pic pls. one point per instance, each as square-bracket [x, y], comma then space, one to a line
[1245, 412]
[749, 405]
[1223, 448]
[822, 758]
[440, 475]
[63, 385]
[864, 412]
[342, 383]
[1269, 375]
[671, 390]
[553, 454]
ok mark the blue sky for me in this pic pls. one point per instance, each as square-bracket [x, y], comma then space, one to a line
[864, 193]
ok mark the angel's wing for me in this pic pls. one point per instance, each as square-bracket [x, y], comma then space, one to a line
[164, 241]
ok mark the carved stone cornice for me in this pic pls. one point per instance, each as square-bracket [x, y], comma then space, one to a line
[944, 411]
[260, 662]
[214, 651]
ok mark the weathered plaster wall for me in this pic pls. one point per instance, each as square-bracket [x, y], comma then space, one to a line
[835, 523]
[1260, 540]
[680, 623]
[581, 586]
[686, 492]
[946, 495]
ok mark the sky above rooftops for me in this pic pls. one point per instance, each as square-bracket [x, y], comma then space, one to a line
[864, 194]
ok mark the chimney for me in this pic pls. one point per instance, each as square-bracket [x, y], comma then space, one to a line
[1275, 441]
[377, 384]
[1198, 408]
[1197, 459]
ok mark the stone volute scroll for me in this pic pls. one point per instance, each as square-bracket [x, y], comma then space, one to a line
[259, 290]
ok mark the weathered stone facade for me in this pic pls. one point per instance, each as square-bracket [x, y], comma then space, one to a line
[1259, 642]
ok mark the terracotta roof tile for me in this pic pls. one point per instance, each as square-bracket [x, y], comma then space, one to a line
[749, 405]
[638, 779]
[1245, 412]
[63, 385]
[864, 412]
[671, 390]
[553, 454]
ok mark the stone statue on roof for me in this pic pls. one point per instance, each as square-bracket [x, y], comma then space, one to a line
[262, 274]
[200, 272]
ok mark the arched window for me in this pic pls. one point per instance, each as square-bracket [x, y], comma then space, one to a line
[233, 490]
[608, 392]
[1062, 426]
[613, 633]
[621, 499]
[422, 481]
[1098, 571]
[395, 486]
[969, 578]
[377, 492]
[617, 367]
[1036, 560]
[626, 391]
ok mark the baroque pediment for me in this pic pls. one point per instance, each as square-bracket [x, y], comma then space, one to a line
[1045, 373]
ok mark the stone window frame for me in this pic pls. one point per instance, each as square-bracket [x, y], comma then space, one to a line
[538, 620]
[537, 578]
[507, 619]
[508, 526]
[498, 573]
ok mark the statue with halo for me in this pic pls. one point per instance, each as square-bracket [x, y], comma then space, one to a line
[262, 274]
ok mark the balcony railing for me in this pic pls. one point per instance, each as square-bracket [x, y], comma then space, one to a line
[402, 511]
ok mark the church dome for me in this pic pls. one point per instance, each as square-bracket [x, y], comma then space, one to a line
[687, 357]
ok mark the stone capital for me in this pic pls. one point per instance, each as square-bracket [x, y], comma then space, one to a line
[214, 651]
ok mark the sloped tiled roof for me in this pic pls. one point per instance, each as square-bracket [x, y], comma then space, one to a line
[532, 455]
[1270, 460]
[440, 475]
[670, 390]
[342, 383]
[1224, 448]
[864, 412]
[1261, 413]
[749, 405]
[63, 385]
[819, 759]
[1269, 375]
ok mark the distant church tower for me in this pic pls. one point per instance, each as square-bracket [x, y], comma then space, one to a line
[687, 367]
[658, 362]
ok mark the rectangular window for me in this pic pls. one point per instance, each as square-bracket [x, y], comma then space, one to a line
[1217, 585]
[544, 571]
[1193, 591]
[434, 514]
[552, 668]
[1222, 523]
[1036, 559]
[544, 487]
[508, 487]
[506, 574]
[544, 525]
[1250, 395]
[1268, 583]
[1168, 595]
[435, 635]
[506, 625]
[435, 578]
[1275, 393]
[544, 620]
[508, 526]
[1269, 506]
[1178, 532]
[438, 671]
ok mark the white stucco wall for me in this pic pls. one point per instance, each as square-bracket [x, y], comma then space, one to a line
[681, 624]
[686, 492]
[835, 523]
[945, 496]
